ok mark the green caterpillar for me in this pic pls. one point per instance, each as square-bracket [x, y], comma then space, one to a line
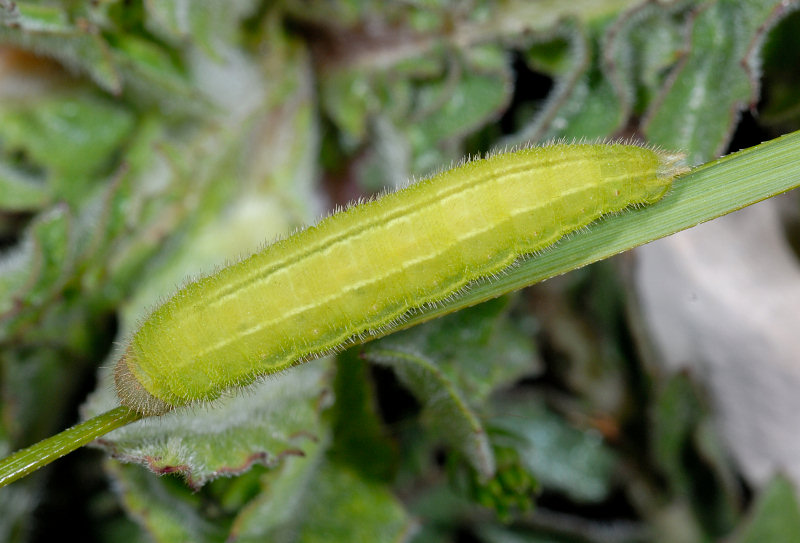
[364, 268]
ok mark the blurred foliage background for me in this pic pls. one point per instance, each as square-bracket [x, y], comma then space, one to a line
[145, 141]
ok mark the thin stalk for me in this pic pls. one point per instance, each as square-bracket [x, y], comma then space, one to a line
[28, 460]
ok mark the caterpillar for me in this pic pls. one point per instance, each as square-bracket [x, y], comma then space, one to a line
[362, 269]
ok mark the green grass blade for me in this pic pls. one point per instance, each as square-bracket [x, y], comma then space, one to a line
[28, 460]
[707, 192]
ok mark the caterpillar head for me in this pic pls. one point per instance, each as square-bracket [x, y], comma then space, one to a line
[132, 394]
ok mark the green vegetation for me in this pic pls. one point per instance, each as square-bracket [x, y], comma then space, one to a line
[141, 142]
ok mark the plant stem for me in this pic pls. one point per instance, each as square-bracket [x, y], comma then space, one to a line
[25, 461]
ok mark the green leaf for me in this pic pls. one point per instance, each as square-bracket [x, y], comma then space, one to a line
[591, 111]
[781, 108]
[152, 73]
[209, 24]
[441, 511]
[446, 409]
[582, 318]
[775, 516]
[639, 50]
[314, 499]
[360, 440]
[563, 458]
[677, 413]
[566, 529]
[452, 366]
[584, 103]
[35, 270]
[683, 446]
[272, 419]
[21, 191]
[36, 18]
[478, 350]
[475, 87]
[165, 508]
[433, 98]
[717, 79]
[565, 53]
[70, 137]
[49, 30]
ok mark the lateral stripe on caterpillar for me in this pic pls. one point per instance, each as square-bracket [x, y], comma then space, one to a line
[362, 269]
